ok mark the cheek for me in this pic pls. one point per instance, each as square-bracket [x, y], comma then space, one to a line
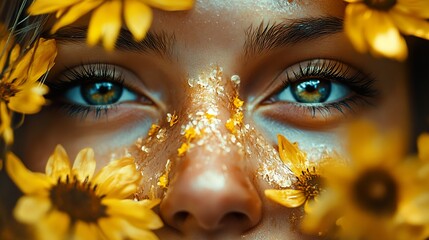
[39, 135]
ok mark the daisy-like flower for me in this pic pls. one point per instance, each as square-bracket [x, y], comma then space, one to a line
[107, 15]
[72, 203]
[376, 25]
[19, 89]
[379, 196]
[308, 184]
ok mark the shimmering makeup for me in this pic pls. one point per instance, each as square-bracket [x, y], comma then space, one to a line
[212, 120]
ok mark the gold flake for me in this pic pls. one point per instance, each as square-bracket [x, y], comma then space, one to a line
[153, 129]
[172, 118]
[164, 179]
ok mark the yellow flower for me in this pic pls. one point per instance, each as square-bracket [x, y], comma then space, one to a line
[378, 196]
[308, 184]
[71, 203]
[5, 125]
[19, 88]
[106, 20]
[375, 25]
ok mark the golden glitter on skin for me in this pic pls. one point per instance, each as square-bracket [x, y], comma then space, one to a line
[164, 179]
[212, 100]
[172, 118]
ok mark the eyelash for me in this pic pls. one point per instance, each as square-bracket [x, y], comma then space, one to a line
[72, 77]
[359, 83]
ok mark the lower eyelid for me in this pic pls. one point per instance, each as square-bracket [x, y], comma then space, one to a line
[314, 116]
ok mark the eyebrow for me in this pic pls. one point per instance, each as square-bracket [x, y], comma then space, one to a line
[160, 43]
[269, 36]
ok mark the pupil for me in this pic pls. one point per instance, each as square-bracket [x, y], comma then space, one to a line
[101, 93]
[376, 191]
[311, 91]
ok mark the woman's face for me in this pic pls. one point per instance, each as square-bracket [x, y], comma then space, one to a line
[289, 61]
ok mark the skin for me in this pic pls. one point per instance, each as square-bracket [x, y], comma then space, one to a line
[214, 193]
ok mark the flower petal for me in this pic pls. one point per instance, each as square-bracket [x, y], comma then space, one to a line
[28, 70]
[134, 212]
[31, 209]
[30, 100]
[423, 147]
[27, 181]
[112, 227]
[416, 211]
[138, 17]
[47, 6]
[105, 24]
[5, 126]
[364, 144]
[74, 13]
[291, 155]
[411, 25]
[119, 179]
[290, 198]
[84, 164]
[354, 24]
[54, 226]
[169, 5]
[416, 8]
[58, 165]
[383, 37]
[85, 231]
[118, 229]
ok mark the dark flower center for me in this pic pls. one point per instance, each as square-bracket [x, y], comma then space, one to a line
[310, 183]
[78, 200]
[376, 192]
[382, 5]
[7, 90]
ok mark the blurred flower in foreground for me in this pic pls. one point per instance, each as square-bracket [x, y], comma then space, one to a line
[376, 25]
[106, 20]
[379, 196]
[308, 184]
[19, 88]
[70, 203]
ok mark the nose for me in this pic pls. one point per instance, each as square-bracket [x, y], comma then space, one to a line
[211, 195]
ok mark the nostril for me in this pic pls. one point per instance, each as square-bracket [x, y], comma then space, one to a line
[180, 217]
[236, 216]
[234, 219]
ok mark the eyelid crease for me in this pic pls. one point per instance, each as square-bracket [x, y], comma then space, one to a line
[91, 72]
[358, 81]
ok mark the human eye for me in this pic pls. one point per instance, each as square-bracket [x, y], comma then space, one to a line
[319, 92]
[94, 89]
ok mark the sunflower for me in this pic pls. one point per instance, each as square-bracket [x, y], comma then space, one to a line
[72, 203]
[19, 89]
[106, 20]
[376, 25]
[308, 184]
[378, 196]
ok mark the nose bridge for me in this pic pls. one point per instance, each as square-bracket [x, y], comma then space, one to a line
[212, 119]
[210, 187]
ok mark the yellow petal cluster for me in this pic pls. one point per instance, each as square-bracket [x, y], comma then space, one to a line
[380, 195]
[74, 203]
[106, 20]
[20, 90]
[377, 29]
[308, 184]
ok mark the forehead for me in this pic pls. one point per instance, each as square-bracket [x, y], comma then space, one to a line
[222, 24]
